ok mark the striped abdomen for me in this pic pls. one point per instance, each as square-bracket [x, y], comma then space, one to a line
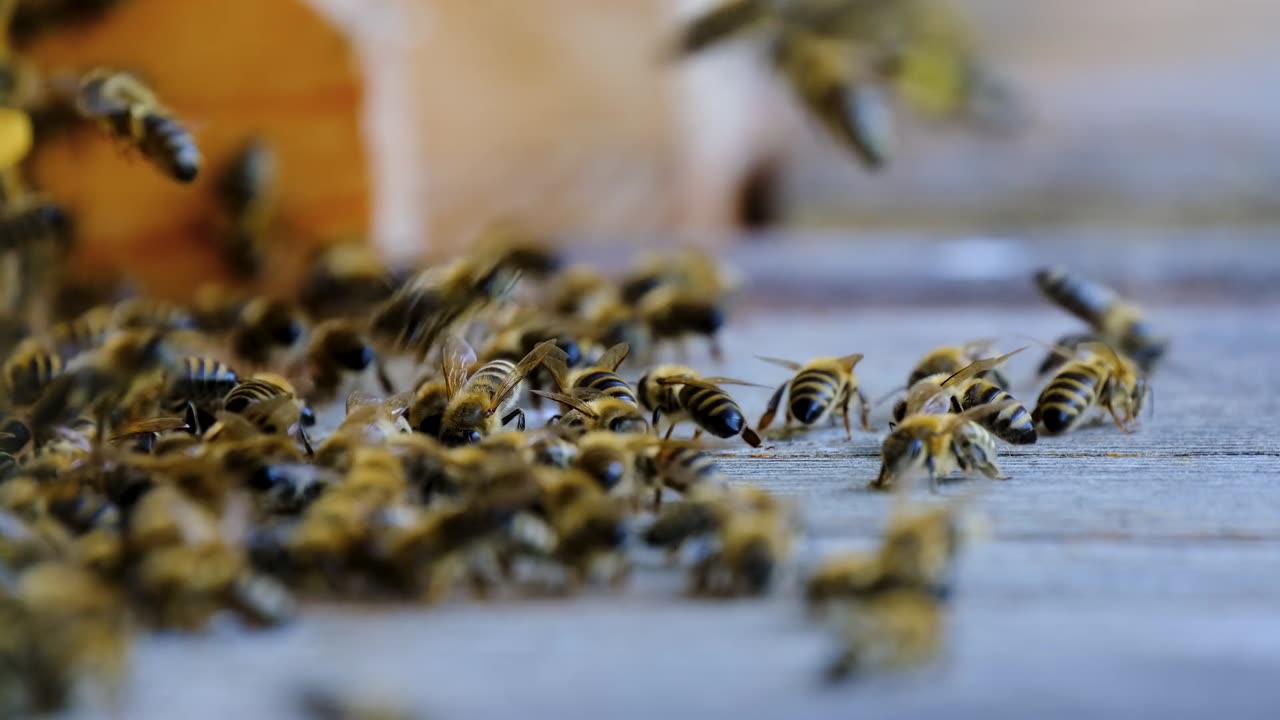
[201, 381]
[1083, 298]
[251, 392]
[170, 146]
[86, 332]
[491, 376]
[812, 395]
[45, 221]
[607, 383]
[28, 371]
[712, 409]
[1013, 424]
[1064, 401]
[683, 467]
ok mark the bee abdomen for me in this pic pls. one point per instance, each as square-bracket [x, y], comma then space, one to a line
[37, 223]
[494, 372]
[713, 410]
[171, 146]
[812, 392]
[202, 380]
[249, 392]
[610, 384]
[26, 374]
[1087, 300]
[1066, 399]
[1013, 424]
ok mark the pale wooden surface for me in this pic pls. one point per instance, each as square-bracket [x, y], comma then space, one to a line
[1124, 575]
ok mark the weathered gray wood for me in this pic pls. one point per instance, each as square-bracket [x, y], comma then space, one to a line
[1125, 575]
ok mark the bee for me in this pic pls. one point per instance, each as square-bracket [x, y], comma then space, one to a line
[601, 377]
[684, 469]
[87, 331]
[1117, 322]
[344, 280]
[36, 223]
[483, 401]
[680, 393]
[523, 252]
[1103, 378]
[821, 388]
[674, 313]
[426, 412]
[266, 325]
[434, 301]
[590, 529]
[947, 359]
[751, 542]
[271, 404]
[129, 111]
[613, 460]
[103, 380]
[29, 369]
[592, 410]
[145, 313]
[197, 386]
[937, 445]
[967, 389]
[337, 348]
[244, 191]
[574, 289]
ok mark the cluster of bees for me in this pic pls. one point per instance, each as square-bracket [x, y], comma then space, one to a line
[369, 436]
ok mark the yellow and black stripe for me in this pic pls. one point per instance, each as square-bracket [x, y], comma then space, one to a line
[29, 370]
[201, 381]
[712, 409]
[683, 467]
[813, 392]
[607, 383]
[1013, 424]
[83, 333]
[1067, 397]
[1084, 298]
[251, 392]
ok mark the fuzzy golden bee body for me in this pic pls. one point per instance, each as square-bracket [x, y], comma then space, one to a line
[1115, 321]
[1103, 378]
[129, 111]
[820, 389]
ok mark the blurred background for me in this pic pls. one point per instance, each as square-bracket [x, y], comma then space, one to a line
[416, 123]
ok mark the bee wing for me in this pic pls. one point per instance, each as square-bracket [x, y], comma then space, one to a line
[1098, 347]
[360, 397]
[230, 427]
[851, 361]
[400, 402]
[150, 425]
[455, 361]
[614, 356]
[981, 346]
[733, 381]
[976, 367]
[981, 411]
[281, 411]
[788, 364]
[521, 370]
[719, 24]
[929, 401]
[569, 401]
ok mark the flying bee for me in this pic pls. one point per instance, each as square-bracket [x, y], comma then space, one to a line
[1103, 378]
[673, 313]
[1117, 322]
[591, 410]
[338, 348]
[35, 224]
[687, 271]
[271, 404]
[947, 359]
[344, 280]
[435, 300]
[682, 394]
[821, 388]
[245, 192]
[483, 401]
[265, 326]
[521, 250]
[967, 389]
[197, 387]
[601, 377]
[129, 111]
[29, 369]
[938, 445]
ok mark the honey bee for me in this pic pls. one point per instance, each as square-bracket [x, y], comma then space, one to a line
[338, 348]
[483, 401]
[1102, 378]
[29, 369]
[613, 460]
[601, 377]
[947, 359]
[149, 314]
[967, 389]
[591, 410]
[590, 529]
[265, 326]
[672, 314]
[244, 191]
[344, 280]
[197, 386]
[751, 542]
[680, 393]
[684, 469]
[87, 331]
[572, 290]
[820, 389]
[34, 224]
[522, 251]
[1117, 322]
[129, 111]
[103, 380]
[271, 404]
[938, 445]
[434, 301]
[426, 412]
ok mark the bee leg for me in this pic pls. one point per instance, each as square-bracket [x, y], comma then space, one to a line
[767, 419]
[657, 498]
[866, 410]
[844, 414]
[697, 433]
[670, 429]
[306, 442]
[384, 380]
[518, 416]
[933, 475]
[657, 413]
